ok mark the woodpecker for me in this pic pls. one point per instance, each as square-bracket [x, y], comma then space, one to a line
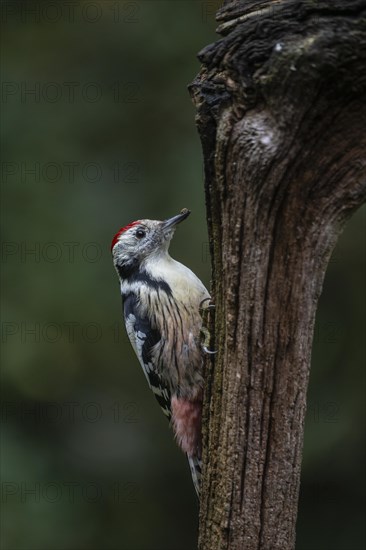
[162, 305]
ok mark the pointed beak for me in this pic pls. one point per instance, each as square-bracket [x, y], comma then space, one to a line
[171, 222]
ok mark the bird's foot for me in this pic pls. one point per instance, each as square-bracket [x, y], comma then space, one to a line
[206, 311]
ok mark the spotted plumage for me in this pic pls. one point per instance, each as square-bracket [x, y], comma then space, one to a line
[161, 303]
[143, 339]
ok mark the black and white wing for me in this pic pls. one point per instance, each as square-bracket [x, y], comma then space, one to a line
[143, 338]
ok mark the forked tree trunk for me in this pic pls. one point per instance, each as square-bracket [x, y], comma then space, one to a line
[281, 107]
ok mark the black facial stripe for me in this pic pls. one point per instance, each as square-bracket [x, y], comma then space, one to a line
[155, 284]
[126, 269]
[130, 272]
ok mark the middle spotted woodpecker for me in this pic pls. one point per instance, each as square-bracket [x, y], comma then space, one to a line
[162, 302]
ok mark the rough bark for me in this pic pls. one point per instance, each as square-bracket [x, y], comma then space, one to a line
[281, 111]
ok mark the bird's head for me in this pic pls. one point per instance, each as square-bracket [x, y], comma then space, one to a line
[142, 240]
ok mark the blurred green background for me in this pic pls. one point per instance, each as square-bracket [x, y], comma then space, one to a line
[98, 130]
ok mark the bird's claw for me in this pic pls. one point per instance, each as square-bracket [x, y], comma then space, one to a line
[209, 306]
[210, 352]
[206, 341]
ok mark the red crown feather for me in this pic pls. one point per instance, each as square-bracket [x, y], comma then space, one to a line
[122, 230]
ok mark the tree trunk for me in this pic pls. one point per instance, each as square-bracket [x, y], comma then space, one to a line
[281, 103]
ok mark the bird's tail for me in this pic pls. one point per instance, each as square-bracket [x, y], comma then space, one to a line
[195, 463]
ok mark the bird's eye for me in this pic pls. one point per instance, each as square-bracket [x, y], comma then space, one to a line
[140, 233]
